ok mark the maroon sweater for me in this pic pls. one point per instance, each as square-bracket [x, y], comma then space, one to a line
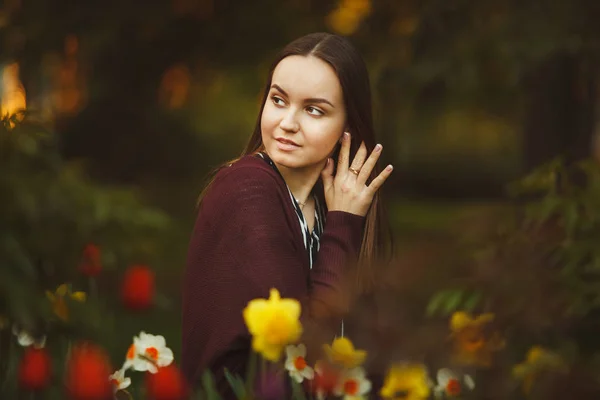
[247, 239]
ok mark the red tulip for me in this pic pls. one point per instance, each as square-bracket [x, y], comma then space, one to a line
[137, 291]
[166, 384]
[35, 369]
[91, 264]
[87, 373]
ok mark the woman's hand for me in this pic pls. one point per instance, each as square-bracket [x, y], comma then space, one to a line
[348, 190]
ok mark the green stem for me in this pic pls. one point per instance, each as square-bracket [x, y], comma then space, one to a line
[251, 373]
[263, 372]
[9, 363]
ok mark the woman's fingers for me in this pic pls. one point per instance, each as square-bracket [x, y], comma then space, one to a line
[359, 158]
[343, 157]
[368, 166]
[327, 175]
[379, 180]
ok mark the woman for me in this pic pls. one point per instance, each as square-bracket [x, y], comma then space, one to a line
[295, 212]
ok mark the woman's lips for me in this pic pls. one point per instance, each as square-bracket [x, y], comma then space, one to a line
[286, 145]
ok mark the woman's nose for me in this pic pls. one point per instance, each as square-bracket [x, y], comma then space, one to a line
[289, 123]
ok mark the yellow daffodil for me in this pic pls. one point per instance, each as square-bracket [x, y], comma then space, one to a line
[342, 352]
[406, 382]
[59, 303]
[474, 344]
[273, 324]
[537, 361]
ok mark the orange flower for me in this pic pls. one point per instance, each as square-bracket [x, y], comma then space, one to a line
[166, 384]
[326, 379]
[90, 264]
[137, 291]
[87, 373]
[474, 343]
[35, 369]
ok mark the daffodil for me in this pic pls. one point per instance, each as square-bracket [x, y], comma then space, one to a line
[353, 384]
[474, 344]
[59, 302]
[342, 352]
[296, 363]
[406, 382]
[537, 361]
[273, 323]
[450, 384]
[119, 381]
[26, 339]
[148, 353]
[327, 378]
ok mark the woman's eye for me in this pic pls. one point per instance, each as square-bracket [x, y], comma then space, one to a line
[315, 111]
[277, 101]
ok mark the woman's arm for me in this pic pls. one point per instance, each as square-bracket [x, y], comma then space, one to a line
[245, 242]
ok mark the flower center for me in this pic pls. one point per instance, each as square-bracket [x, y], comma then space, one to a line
[351, 387]
[453, 387]
[152, 353]
[472, 339]
[131, 352]
[299, 363]
[401, 394]
[278, 330]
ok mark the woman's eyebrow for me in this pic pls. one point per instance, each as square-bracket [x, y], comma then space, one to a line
[311, 100]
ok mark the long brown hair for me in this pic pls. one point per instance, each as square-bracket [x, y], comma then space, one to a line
[352, 73]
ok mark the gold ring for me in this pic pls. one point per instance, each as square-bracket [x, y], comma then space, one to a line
[355, 172]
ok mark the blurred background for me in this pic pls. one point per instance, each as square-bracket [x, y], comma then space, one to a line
[143, 99]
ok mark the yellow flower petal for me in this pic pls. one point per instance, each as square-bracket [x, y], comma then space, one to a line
[409, 379]
[62, 290]
[254, 315]
[484, 318]
[460, 320]
[535, 353]
[273, 323]
[79, 296]
[342, 352]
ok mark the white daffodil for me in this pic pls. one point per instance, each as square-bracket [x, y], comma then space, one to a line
[118, 380]
[147, 353]
[353, 384]
[295, 363]
[26, 339]
[450, 384]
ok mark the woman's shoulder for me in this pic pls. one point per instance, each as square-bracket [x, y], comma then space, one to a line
[249, 166]
[249, 173]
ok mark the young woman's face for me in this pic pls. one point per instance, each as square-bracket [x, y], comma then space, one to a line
[304, 115]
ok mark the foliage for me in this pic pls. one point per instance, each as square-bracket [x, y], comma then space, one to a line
[50, 212]
[538, 269]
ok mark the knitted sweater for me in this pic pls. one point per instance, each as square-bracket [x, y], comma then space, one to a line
[247, 239]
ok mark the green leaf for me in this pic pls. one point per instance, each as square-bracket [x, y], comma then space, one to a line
[453, 301]
[435, 303]
[237, 384]
[209, 386]
[472, 301]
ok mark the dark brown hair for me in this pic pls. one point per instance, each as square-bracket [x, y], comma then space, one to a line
[352, 73]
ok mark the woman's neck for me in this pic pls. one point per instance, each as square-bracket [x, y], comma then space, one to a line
[301, 181]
